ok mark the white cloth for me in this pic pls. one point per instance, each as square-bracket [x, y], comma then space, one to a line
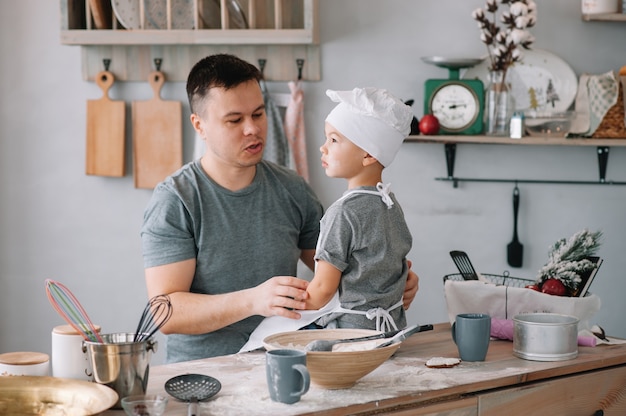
[503, 302]
[276, 324]
[373, 119]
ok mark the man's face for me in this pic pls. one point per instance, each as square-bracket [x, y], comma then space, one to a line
[234, 124]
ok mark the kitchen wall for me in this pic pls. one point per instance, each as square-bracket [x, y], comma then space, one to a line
[56, 222]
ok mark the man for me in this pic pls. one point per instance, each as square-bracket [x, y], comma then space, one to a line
[223, 235]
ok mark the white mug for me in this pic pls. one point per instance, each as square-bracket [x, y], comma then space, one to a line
[24, 364]
[68, 358]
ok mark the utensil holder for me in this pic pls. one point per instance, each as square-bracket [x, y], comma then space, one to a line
[121, 363]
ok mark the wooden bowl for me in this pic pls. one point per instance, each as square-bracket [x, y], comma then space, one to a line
[337, 369]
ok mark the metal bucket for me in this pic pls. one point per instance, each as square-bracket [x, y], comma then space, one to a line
[121, 363]
[545, 337]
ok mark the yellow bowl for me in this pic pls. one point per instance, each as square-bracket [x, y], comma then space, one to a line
[339, 369]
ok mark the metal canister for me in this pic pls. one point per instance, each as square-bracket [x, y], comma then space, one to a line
[517, 125]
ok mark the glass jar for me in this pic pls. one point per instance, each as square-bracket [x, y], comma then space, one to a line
[499, 105]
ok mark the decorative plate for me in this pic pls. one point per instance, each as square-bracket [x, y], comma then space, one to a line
[541, 82]
[26, 395]
[155, 13]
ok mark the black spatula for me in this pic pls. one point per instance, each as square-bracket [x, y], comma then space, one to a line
[463, 263]
[515, 249]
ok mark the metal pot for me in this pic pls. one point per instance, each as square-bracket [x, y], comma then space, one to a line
[545, 337]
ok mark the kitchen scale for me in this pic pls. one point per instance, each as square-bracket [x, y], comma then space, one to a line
[457, 103]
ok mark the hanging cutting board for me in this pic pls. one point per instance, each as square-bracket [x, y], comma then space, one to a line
[105, 131]
[157, 136]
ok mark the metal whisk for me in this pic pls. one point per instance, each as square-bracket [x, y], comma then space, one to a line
[157, 312]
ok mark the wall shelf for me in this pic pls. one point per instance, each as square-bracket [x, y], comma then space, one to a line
[450, 143]
[279, 31]
[605, 17]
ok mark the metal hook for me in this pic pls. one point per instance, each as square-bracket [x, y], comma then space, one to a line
[262, 63]
[106, 63]
[157, 63]
[300, 64]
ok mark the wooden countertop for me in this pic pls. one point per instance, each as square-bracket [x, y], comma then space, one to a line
[401, 381]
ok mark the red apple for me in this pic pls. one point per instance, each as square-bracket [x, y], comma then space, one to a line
[553, 287]
[429, 124]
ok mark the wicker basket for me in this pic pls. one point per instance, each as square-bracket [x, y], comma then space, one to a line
[504, 280]
[612, 125]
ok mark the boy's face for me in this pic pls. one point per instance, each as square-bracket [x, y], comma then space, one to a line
[340, 157]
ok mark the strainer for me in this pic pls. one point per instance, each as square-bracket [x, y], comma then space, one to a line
[192, 388]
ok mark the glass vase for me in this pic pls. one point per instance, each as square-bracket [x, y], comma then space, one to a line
[499, 106]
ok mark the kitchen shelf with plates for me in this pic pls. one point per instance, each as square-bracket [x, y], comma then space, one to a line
[132, 33]
[544, 88]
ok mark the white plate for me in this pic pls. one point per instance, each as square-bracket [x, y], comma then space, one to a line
[533, 75]
[155, 12]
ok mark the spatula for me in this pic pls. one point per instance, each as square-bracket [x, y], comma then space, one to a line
[327, 344]
[515, 249]
[463, 263]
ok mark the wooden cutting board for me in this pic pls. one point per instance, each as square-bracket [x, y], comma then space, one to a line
[157, 136]
[105, 131]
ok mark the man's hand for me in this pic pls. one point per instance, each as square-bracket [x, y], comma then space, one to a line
[411, 288]
[279, 295]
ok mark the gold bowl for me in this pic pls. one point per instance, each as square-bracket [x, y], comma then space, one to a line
[341, 368]
[37, 395]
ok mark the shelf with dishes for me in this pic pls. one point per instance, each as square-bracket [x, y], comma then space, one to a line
[132, 33]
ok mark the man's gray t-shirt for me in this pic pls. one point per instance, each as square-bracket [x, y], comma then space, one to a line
[239, 239]
[369, 243]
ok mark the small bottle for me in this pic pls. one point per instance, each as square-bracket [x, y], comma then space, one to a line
[517, 125]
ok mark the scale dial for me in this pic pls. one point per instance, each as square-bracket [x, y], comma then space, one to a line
[455, 105]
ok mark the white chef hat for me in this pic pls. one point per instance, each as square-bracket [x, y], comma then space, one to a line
[373, 119]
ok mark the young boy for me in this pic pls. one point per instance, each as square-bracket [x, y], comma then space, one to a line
[361, 266]
[364, 239]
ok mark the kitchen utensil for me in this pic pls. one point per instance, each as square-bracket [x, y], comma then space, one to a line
[145, 405]
[24, 363]
[192, 388]
[535, 81]
[545, 336]
[463, 263]
[106, 126]
[471, 333]
[515, 249]
[70, 309]
[339, 369]
[287, 376]
[211, 16]
[157, 312]
[548, 123]
[102, 13]
[327, 344]
[157, 136]
[405, 333]
[120, 363]
[38, 395]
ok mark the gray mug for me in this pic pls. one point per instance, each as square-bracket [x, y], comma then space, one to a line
[471, 333]
[287, 376]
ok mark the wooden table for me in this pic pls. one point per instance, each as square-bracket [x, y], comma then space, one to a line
[502, 384]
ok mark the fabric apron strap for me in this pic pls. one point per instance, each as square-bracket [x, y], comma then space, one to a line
[384, 320]
[383, 191]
